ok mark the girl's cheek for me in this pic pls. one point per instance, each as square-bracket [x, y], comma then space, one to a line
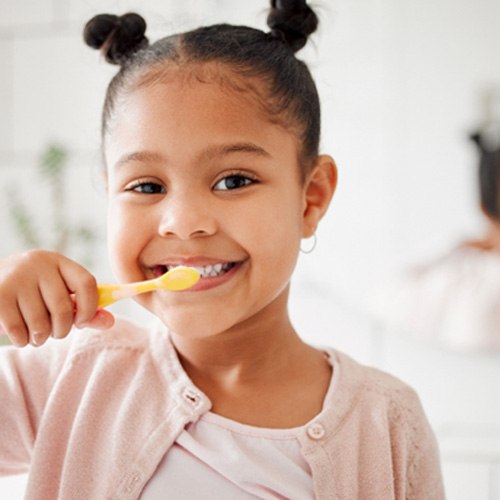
[121, 236]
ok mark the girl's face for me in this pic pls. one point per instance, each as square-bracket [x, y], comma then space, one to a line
[198, 177]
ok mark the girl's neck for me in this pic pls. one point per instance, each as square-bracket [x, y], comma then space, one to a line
[264, 378]
[238, 355]
[258, 371]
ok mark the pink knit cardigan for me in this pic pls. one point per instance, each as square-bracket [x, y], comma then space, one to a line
[91, 416]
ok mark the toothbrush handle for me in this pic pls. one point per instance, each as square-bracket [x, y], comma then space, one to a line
[106, 294]
[109, 293]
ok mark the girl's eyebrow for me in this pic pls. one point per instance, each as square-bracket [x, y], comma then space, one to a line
[139, 156]
[211, 152]
[238, 147]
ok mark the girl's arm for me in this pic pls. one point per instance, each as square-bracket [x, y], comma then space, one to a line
[26, 378]
[424, 478]
[42, 294]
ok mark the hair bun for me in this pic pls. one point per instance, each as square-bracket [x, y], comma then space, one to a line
[292, 21]
[118, 37]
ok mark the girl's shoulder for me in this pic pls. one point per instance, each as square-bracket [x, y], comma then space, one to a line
[58, 354]
[126, 342]
[125, 333]
[365, 389]
[89, 360]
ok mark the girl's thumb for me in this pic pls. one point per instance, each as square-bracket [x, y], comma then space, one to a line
[102, 320]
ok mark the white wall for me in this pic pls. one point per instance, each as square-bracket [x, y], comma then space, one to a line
[400, 83]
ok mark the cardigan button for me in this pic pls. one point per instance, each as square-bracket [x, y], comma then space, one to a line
[192, 396]
[316, 431]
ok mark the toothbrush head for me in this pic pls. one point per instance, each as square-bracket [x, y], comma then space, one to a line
[178, 278]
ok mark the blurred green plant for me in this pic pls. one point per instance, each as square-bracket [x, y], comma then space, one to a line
[65, 236]
[75, 240]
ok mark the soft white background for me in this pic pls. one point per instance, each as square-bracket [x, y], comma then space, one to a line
[401, 84]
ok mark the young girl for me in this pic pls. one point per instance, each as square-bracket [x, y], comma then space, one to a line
[210, 140]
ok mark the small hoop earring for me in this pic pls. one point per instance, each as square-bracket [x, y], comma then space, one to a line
[314, 239]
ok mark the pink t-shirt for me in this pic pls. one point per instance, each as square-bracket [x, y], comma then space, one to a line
[219, 458]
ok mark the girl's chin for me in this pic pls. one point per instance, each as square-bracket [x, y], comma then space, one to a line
[191, 328]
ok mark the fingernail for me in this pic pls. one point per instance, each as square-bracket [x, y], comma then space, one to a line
[38, 338]
[17, 343]
[84, 324]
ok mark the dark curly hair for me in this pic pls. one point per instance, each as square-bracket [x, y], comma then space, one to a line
[291, 97]
[489, 175]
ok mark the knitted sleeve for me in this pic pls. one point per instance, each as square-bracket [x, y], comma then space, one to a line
[26, 378]
[423, 474]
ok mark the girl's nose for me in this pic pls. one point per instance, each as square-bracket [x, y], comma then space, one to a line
[187, 219]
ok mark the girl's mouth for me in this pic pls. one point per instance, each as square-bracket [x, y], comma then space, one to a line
[208, 271]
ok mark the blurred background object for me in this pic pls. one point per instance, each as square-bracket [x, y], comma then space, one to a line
[400, 84]
[57, 233]
[453, 300]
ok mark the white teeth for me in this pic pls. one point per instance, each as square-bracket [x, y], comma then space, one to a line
[212, 270]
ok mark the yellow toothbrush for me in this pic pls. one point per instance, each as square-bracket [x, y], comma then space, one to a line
[178, 278]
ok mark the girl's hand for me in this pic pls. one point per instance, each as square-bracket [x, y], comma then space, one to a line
[44, 294]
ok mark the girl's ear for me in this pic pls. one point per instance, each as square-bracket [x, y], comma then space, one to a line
[318, 191]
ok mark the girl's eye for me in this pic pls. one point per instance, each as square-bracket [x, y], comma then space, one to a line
[146, 188]
[233, 182]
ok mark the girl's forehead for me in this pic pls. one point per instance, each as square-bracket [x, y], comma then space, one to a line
[247, 94]
[238, 84]
[162, 113]
[179, 98]
[184, 101]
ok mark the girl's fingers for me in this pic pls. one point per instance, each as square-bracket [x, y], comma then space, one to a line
[102, 320]
[44, 293]
[14, 327]
[84, 287]
[35, 315]
[70, 296]
[59, 306]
